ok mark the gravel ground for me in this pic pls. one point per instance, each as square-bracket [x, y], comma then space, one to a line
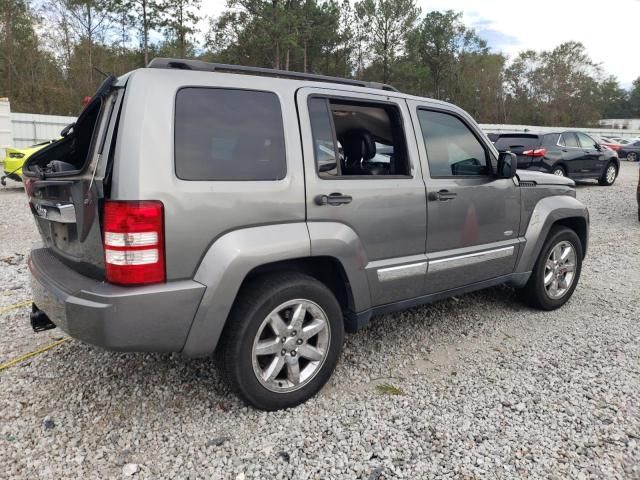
[476, 387]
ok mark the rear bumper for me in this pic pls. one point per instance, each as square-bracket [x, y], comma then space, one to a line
[152, 318]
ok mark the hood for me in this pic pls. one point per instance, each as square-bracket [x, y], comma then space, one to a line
[544, 178]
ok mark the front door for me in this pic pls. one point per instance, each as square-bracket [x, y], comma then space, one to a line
[473, 218]
[592, 163]
[364, 186]
[573, 155]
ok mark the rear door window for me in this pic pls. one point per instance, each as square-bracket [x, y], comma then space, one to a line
[228, 134]
[569, 139]
[358, 138]
[586, 141]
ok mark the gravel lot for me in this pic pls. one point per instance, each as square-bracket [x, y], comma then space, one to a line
[483, 387]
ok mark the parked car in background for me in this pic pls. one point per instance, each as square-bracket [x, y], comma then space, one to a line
[15, 158]
[623, 141]
[260, 213]
[630, 151]
[608, 142]
[572, 154]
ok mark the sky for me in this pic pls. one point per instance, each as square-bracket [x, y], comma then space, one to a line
[512, 26]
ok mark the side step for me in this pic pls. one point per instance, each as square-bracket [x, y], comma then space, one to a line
[39, 320]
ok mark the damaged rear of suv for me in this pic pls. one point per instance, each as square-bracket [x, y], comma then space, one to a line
[95, 246]
[259, 214]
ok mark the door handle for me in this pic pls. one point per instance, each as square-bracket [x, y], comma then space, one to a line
[333, 199]
[442, 195]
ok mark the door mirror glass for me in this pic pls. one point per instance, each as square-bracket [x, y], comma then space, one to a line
[507, 165]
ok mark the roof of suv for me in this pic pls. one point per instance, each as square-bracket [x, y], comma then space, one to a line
[182, 64]
[339, 83]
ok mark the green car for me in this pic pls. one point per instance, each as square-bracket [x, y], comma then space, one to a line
[15, 158]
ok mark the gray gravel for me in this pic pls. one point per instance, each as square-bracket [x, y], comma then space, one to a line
[485, 387]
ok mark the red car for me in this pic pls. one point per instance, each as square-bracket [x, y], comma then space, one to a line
[607, 142]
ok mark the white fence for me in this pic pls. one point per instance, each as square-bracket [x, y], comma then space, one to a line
[29, 128]
[24, 129]
[6, 132]
[596, 132]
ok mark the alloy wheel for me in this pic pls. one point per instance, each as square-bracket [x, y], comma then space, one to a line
[559, 172]
[632, 156]
[291, 346]
[559, 270]
[611, 173]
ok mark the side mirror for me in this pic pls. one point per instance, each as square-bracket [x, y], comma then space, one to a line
[507, 165]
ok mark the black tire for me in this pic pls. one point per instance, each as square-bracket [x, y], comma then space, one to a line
[603, 180]
[632, 157]
[534, 292]
[559, 168]
[255, 302]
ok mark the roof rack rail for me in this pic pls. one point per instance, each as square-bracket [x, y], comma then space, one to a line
[199, 65]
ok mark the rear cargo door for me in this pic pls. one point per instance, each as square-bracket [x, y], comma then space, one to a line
[65, 183]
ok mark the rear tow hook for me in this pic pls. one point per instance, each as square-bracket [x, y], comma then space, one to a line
[39, 320]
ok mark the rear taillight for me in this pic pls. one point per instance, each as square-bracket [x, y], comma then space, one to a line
[615, 148]
[538, 152]
[134, 242]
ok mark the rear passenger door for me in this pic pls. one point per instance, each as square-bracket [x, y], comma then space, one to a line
[364, 186]
[472, 217]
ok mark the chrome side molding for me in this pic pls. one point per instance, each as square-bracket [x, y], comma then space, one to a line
[402, 271]
[469, 259]
[421, 268]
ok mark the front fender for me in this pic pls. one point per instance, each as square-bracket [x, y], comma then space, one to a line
[224, 267]
[548, 211]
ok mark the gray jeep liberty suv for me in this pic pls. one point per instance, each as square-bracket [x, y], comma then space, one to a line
[258, 214]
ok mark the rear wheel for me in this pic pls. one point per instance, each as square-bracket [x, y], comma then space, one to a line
[556, 272]
[559, 170]
[609, 175]
[632, 156]
[282, 340]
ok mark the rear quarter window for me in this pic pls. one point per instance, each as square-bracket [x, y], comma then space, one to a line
[228, 134]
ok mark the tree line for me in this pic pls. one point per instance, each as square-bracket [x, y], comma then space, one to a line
[52, 52]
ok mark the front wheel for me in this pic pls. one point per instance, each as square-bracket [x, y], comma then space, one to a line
[282, 340]
[556, 272]
[609, 175]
